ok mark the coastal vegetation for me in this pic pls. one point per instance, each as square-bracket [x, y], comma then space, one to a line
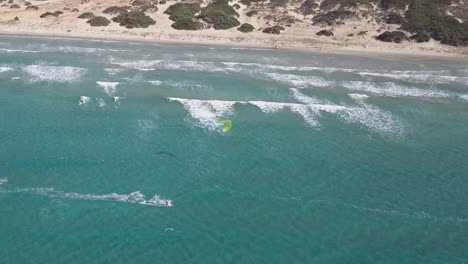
[134, 19]
[220, 14]
[246, 28]
[98, 21]
[273, 30]
[86, 15]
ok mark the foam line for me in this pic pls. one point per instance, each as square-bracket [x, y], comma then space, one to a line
[394, 90]
[5, 69]
[133, 198]
[84, 100]
[3, 181]
[206, 112]
[54, 73]
[108, 87]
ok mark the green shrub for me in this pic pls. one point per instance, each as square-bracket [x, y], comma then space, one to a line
[86, 15]
[35, 8]
[251, 13]
[273, 30]
[98, 21]
[116, 10]
[182, 11]
[46, 14]
[428, 16]
[394, 18]
[187, 24]
[329, 4]
[134, 19]
[246, 27]
[220, 14]
[333, 17]
[307, 8]
[392, 36]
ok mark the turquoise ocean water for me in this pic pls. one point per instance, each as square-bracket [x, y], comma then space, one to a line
[331, 159]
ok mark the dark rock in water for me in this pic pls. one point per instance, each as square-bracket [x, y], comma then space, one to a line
[16, 18]
[273, 30]
[15, 6]
[350, 35]
[392, 36]
[75, 10]
[162, 2]
[245, 28]
[27, 3]
[58, 12]
[98, 21]
[421, 37]
[325, 32]
[394, 18]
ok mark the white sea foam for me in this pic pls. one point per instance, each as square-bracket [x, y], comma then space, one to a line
[134, 197]
[299, 81]
[207, 112]
[303, 98]
[237, 65]
[101, 102]
[3, 181]
[150, 65]
[113, 71]
[108, 87]
[394, 90]
[18, 51]
[117, 101]
[145, 125]
[155, 82]
[372, 117]
[15, 78]
[54, 73]
[84, 100]
[5, 69]
[309, 112]
[420, 78]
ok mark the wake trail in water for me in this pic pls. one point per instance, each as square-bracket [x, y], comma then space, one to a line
[133, 198]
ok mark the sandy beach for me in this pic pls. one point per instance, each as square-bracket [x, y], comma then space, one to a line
[301, 35]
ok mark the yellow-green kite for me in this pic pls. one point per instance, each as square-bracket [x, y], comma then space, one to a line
[227, 125]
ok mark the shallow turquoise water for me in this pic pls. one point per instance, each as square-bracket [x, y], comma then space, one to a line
[331, 159]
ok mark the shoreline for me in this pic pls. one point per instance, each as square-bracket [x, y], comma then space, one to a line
[325, 49]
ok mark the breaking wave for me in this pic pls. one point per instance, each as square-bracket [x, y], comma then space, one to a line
[394, 90]
[151, 65]
[3, 181]
[419, 78]
[108, 87]
[84, 100]
[54, 73]
[206, 112]
[5, 69]
[299, 81]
